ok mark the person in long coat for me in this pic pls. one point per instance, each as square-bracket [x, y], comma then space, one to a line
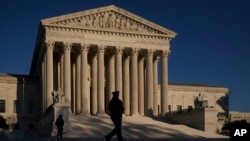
[116, 110]
[59, 124]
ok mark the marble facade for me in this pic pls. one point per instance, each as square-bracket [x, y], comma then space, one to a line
[88, 54]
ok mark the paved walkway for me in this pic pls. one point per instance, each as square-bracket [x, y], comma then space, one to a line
[94, 128]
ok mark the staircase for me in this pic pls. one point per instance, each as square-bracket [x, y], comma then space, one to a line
[135, 127]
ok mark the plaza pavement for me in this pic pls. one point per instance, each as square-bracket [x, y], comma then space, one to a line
[137, 128]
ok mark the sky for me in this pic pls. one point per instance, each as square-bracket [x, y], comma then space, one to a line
[212, 45]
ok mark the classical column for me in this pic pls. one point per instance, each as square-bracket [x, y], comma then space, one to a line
[43, 77]
[134, 82]
[100, 82]
[94, 85]
[84, 80]
[141, 85]
[78, 84]
[111, 78]
[156, 99]
[74, 88]
[118, 71]
[164, 82]
[49, 72]
[67, 73]
[149, 84]
[58, 75]
[126, 88]
[62, 71]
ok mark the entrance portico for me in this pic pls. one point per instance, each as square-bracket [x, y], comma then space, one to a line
[89, 54]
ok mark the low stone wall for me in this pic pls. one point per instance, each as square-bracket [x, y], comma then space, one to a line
[47, 126]
[194, 118]
[203, 119]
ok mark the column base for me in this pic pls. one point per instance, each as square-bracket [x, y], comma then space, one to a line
[135, 115]
[124, 115]
[85, 114]
[103, 115]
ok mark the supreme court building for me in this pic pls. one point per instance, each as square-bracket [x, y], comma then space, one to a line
[89, 54]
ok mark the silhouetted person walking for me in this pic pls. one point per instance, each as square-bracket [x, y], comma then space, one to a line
[59, 124]
[116, 109]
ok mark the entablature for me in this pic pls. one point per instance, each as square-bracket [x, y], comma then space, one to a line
[106, 37]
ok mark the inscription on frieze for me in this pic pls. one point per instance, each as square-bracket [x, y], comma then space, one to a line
[109, 38]
[79, 34]
[151, 41]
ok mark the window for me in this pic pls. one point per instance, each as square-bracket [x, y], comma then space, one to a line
[2, 106]
[16, 126]
[179, 108]
[190, 108]
[31, 126]
[17, 106]
[169, 110]
[31, 106]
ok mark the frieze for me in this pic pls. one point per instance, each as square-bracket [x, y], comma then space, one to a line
[60, 32]
[63, 33]
[151, 41]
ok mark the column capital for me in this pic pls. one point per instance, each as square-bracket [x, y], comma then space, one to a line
[119, 50]
[134, 51]
[101, 49]
[84, 48]
[165, 53]
[67, 46]
[49, 45]
[150, 52]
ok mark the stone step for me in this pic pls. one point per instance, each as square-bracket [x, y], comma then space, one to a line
[133, 127]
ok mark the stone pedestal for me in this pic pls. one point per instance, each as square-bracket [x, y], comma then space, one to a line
[64, 110]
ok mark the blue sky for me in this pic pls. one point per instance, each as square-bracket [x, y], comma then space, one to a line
[212, 45]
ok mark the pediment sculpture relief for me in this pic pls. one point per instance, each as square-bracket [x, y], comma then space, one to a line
[108, 20]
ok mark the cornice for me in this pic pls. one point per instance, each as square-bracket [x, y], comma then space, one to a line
[12, 78]
[196, 88]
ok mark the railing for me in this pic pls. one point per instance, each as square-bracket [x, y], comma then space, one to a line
[184, 111]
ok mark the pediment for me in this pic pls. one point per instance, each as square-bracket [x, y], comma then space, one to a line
[108, 18]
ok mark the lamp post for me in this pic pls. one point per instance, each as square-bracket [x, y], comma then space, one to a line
[23, 96]
[9, 123]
